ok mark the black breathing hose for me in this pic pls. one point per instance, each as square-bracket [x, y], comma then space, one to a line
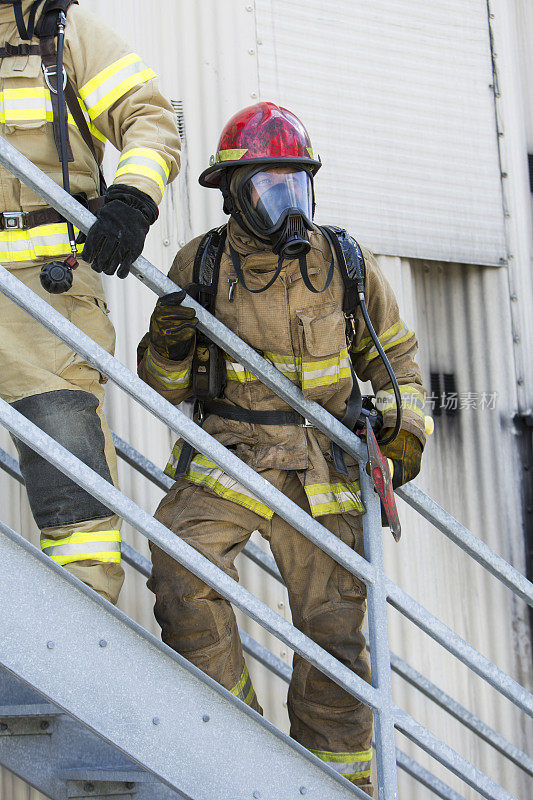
[389, 369]
[62, 113]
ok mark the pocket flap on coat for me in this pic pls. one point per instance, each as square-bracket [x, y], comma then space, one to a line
[324, 329]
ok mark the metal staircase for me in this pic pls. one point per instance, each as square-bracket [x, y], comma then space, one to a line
[103, 709]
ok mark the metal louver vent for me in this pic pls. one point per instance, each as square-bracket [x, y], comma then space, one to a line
[177, 105]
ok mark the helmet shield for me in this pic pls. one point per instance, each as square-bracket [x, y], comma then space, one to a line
[268, 196]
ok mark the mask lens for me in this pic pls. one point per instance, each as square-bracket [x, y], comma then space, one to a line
[269, 194]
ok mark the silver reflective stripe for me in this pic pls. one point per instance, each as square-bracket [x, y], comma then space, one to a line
[112, 82]
[82, 548]
[19, 245]
[150, 163]
[352, 768]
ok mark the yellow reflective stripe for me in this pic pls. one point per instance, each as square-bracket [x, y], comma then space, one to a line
[146, 152]
[17, 107]
[43, 240]
[412, 400]
[334, 498]
[239, 686]
[205, 473]
[176, 379]
[113, 83]
[96, 546]
[80, 538]
[352, 776]
[106, 558]
[352, 766]
[244, 689]
[140, 169]
[146, 162]
[231, 155]
[396, 334]
[236, 372]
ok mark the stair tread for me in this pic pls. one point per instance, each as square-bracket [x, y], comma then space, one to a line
[119, 773]
[30, 710]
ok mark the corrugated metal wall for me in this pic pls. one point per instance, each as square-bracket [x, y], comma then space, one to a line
[206, 53]
[398, 94]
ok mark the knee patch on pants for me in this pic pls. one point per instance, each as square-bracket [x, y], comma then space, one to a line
[70, 418]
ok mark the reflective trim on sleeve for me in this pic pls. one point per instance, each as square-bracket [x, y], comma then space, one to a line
[205, 473]
[398, 333]
[412, 400]
[43, 240]
[114, 82]
[175, 379]
[334, 498]
[353, 766]
[95, 546]
[145, 162]
[244, 689]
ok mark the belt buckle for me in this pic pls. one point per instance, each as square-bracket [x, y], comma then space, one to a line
[13, 220]
[306, 424]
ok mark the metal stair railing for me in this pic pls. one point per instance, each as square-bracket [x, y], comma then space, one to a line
[18, 760]
[53, 194]
[141, 564]
[113, 499]
[380, 589]
[137, 694]
[23, 429]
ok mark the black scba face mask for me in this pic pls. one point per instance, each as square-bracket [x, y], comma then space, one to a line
[278, 206]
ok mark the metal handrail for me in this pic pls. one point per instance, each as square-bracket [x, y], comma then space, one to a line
[79, 472]
[44, 186]
[266, 562]
[261, 488]
[380, 589]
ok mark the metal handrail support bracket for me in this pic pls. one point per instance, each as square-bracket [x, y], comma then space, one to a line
[379, 643]
[50, 191]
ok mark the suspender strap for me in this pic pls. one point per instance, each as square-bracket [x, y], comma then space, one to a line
[77, 114]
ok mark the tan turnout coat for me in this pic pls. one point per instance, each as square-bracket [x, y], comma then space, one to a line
[303, 335]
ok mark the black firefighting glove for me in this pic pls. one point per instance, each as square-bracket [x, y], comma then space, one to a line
[405, 452]
[117, 237]
[172, 326]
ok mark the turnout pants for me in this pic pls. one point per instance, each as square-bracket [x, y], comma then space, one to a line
[327, 604]
[63, 394]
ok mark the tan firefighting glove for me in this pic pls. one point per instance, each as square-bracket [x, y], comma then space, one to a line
[172, 327]
[405, 452]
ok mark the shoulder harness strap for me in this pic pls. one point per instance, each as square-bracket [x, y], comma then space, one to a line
[353, 271]
[206, 267]
[351, 264]
[46, 31]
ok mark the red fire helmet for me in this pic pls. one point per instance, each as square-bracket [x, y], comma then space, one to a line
[260, 134]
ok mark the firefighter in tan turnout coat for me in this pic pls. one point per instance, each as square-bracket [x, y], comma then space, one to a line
[265, 167]
[118, 99]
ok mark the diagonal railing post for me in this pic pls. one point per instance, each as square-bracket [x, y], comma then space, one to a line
[379, 643]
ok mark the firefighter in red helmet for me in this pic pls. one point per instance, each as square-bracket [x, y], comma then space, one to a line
[275, 278]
